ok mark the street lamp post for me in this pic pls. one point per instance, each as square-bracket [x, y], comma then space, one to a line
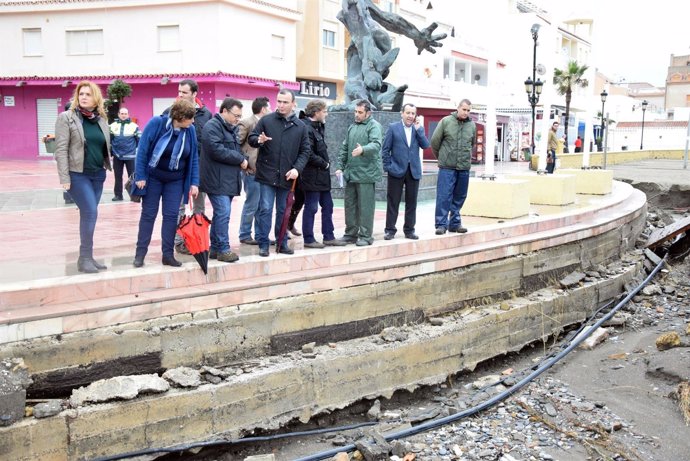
[533, 86]
[644, 109]
[603, 95]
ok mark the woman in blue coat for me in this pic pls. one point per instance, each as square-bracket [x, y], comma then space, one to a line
[167, 171]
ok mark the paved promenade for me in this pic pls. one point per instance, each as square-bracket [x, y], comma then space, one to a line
[41, 238]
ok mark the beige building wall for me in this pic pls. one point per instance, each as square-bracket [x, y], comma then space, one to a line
[320, 42]
[678, 82]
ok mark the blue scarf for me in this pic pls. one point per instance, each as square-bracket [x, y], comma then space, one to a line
[163, 142]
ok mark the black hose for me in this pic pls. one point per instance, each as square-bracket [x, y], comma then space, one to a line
[211, 443]
[503, 395]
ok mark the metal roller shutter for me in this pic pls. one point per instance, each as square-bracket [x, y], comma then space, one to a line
[46, 112]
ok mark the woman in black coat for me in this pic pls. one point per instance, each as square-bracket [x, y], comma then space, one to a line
[316, 180]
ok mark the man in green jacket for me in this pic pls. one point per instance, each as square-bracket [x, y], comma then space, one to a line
[452, 144]
[359, 166]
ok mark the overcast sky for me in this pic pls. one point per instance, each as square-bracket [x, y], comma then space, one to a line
[634, 40]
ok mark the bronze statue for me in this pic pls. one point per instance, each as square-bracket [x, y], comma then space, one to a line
[370, 55]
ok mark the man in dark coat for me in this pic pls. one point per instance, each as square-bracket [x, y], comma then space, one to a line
[401, 160]
[316, 180]
[283, 146]
[220, 165]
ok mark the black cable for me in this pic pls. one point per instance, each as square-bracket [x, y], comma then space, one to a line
[503, 395]
[211, 443]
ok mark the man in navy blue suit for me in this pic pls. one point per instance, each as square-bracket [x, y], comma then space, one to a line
[402, 162]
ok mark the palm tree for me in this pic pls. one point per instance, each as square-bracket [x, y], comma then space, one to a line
[567, 80]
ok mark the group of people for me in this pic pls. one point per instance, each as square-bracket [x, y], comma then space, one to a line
[187, 153]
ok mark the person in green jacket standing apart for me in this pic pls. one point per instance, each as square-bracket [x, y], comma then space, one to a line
[452, 144]
[359, 166]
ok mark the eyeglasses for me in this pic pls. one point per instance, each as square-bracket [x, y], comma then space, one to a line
[236, 115]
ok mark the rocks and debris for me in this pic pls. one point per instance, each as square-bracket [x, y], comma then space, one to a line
[652, 290]
[373, 447]
[393, 334]
[216, 372]
[309, 348]
[682, 394]
[14, 380]
[597, 337]
[486, 381]
[183, 377]
[572, 280]
[665, 232]
[669, 340]
[118, 388]
[618, 319]
[46, 409]
[269, 457]
[374, 412]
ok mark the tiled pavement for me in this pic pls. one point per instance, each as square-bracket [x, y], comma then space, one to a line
[41, 292]
[40, 232]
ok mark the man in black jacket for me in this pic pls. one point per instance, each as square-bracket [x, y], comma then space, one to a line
[283, 146]
[316, 180]
[220, 164]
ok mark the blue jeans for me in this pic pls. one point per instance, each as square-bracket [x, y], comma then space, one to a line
[269, 195]
[252, 190]
[86, 189]
[170, 194]
[451, 192]
[312, 200]
[220, 242]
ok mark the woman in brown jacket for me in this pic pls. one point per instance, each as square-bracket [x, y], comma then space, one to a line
[82, 153]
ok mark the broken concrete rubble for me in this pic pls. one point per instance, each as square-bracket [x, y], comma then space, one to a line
[14, 380]
[183, 377]
[120, 388]
[597, 337]
[46, 409]
[572, 280]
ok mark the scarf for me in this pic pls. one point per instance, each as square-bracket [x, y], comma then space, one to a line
[91, 115]
[163, 142]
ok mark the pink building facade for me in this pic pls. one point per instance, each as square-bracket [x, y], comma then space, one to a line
[28, 105]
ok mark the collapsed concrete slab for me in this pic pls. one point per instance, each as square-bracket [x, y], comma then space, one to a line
[293, 387]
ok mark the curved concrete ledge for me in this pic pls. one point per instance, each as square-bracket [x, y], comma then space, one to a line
[386, 283]
[295, 387]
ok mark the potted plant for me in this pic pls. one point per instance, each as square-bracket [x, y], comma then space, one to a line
[49, 141]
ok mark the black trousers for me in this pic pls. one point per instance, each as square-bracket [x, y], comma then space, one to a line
[395, 190]
[118, 167]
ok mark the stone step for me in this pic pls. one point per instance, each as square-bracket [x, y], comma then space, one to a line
[119, 284]
[304, 274]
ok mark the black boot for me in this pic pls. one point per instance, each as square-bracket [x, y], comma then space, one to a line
[171, 261]
[99, 266]
[86, 266]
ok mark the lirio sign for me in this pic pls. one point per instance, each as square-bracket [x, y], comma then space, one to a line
[314, 89]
